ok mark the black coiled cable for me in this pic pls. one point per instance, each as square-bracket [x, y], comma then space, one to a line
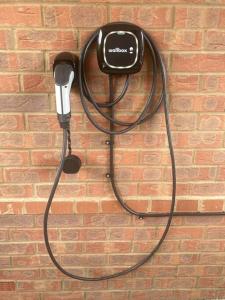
[147, 112]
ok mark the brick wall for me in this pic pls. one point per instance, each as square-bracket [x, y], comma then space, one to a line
[90, 233]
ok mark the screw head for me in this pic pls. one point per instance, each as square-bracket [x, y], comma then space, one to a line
[107, 175]
[107, 142]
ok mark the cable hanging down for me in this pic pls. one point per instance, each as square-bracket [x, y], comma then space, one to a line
[149, 109]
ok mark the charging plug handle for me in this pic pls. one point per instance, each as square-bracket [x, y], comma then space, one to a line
[65, 73]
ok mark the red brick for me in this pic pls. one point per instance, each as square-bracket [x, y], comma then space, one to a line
[21, 103]
[23, 61]
[6, 39]
[221, 19]
[165, 283]
[215, 233]
[23, 261]
[197, 139]
[75, 16]
[32, 175]
[50, 123]
[121, 233]
[27, 140]
[19, 274]
[147, 16]
[207, 188]
[22, 15]
[147, 234]
[185, 233]
[46, 39]
[108, 247]
[215, 157]
[75, 190]
[110, 207]
[38, 285]
[18, 221]
[138, 205]
[196, 17]
[208, 282]
[43, 158]
[62, 248]
[3, 235]
[87, 207]
[14, 158]
[100, 189]
[212, 205]
[150, 157]
[221, 173]
[7, 286]
[210, 103]
[11, 208]
[160, 205]
[38, 83]
[16, 191]
[174, 259]
[131, 284]
[28, 235]
[193, 173]
[198, 62]
[212, 83]
[146, 189]
[215, 40]
[183, 83]
[187, 205]
[9, 83]
[56, 221]
[35, 207]
[65, 295]
[11, 122]
[18, 248]
[183, 122]
[87, 260]
[177, 40]
[124, 259]
[211, 122]
[5, 261]
[62, 207]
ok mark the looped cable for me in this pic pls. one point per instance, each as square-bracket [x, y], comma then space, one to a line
[144, 115]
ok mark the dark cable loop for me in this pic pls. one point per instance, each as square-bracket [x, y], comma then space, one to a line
[166, 113]
[85, 93]
[59, 171]
[142, 117]
[120, 97]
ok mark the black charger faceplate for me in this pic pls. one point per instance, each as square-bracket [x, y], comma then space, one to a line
[120, 48]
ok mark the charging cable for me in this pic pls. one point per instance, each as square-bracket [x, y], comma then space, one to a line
[149, 109]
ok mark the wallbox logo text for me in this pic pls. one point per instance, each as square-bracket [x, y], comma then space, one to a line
[117, 50]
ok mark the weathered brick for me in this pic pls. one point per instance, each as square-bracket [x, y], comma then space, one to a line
[198, 62]
[11, 191]
[152, 17]
[23, 102]
[7, 286]
[9, 83]
[75, 16]
[21, 15]
[16, 221]
[46, 39]
[197, 17]
[215, 40]
[22, 61]
[6, 39]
